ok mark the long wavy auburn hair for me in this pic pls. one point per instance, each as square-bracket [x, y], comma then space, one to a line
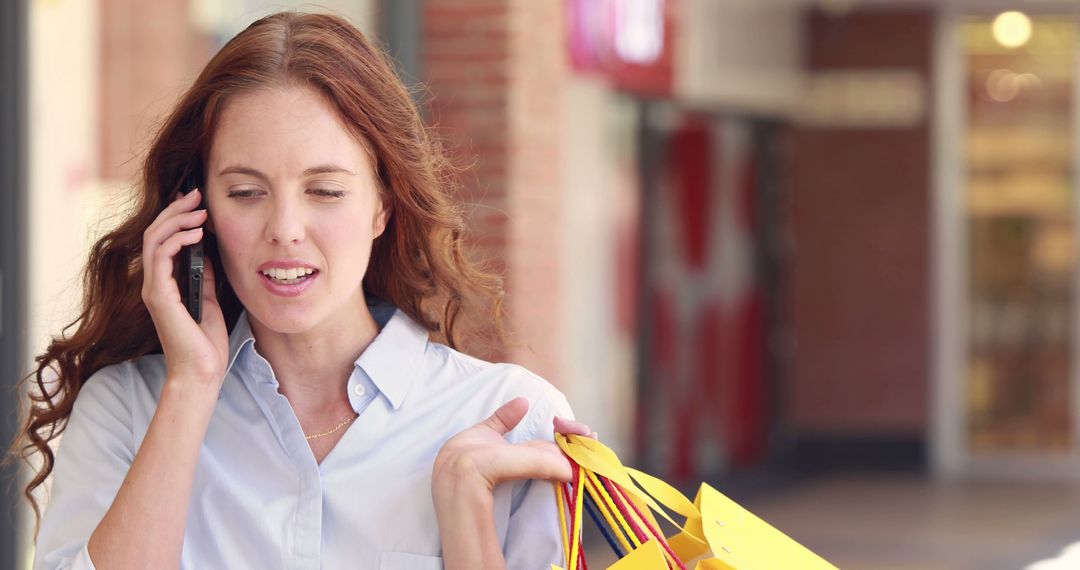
[419, 263]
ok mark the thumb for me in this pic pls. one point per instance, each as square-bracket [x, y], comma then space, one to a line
[508, 416]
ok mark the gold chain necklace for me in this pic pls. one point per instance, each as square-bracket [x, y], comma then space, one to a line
[337, 427]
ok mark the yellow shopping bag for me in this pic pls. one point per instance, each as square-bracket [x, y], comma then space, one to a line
[717, 533]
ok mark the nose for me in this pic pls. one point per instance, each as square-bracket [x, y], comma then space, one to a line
[286, 221]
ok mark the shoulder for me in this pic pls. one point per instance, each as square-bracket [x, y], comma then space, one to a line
[454, 366]
[120, 383]
[539, 391]
[102, 411]
[109, 384]
[495, 383]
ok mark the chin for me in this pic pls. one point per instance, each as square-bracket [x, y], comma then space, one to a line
[284, 318]
[287, 326]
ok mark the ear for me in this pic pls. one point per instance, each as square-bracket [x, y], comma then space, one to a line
[209, 225]
[381, 218]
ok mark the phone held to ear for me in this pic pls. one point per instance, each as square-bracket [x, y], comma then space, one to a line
[189, 274]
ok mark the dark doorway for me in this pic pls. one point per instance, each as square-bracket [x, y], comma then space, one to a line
[13, 199]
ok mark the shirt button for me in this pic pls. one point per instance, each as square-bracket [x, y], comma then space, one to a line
[359, 390]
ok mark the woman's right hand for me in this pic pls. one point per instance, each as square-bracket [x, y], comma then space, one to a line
[194, 352]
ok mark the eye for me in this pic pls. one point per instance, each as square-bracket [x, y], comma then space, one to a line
[328, 193]
[318, 191]
[241, 193]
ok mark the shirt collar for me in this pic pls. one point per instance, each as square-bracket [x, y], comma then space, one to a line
[391, 360]
[239, 338]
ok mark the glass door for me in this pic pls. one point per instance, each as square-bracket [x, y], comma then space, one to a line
[1018, 203]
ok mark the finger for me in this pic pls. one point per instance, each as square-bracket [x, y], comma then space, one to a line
[508, 416]
[178, 214]
[185, 201]
[163, 282]
[151, 266]
[182, 203]
[567, 426]
[165, 226]
[536, 459]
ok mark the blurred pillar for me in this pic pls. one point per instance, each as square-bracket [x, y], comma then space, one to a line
[148, 52]
[497, 68]
[400, 24]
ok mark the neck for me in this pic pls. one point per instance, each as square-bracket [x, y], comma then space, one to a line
[313, 367]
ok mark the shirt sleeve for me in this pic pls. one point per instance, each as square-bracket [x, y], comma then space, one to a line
[95, 452]
[533, 535]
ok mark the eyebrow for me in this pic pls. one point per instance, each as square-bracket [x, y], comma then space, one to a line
[321, 169]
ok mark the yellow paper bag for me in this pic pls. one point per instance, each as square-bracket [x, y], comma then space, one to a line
[717, 533]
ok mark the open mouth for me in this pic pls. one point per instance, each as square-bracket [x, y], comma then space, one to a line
[293, 281]
[288, 283]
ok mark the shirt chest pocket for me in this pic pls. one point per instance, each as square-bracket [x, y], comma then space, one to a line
[406, 561]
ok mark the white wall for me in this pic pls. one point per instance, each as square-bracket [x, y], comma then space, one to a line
[739, 54]
[63, 196]
[599, 364]
[226, 18]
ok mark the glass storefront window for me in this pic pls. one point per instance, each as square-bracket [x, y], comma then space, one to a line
[1020, 209]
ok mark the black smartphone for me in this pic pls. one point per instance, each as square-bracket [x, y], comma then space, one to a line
[189, 270]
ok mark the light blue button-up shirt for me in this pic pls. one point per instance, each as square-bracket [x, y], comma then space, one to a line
[261, 501]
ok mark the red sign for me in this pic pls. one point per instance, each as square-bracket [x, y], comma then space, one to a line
[629, 41]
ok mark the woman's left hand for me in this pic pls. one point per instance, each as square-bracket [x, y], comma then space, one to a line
[468, 467]
[481, 455]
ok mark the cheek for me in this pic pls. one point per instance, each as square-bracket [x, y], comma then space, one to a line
[344, 243]
[232, 241]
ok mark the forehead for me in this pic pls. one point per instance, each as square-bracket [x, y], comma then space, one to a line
[282, 131]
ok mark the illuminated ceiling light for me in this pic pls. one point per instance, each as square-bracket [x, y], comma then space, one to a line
[1012, 29]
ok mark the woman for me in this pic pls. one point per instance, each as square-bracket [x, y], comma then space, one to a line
[307, 421]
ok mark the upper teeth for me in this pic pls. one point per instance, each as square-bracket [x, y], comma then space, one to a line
[291, 273]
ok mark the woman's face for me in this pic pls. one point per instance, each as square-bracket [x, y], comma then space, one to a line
[288, 187]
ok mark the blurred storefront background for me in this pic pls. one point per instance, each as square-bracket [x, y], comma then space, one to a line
[820, 253]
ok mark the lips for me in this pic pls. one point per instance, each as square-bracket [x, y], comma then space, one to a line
[290, 289]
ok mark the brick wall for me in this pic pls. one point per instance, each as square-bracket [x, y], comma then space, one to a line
[495, 68]
[860, 214]
[149, 53]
